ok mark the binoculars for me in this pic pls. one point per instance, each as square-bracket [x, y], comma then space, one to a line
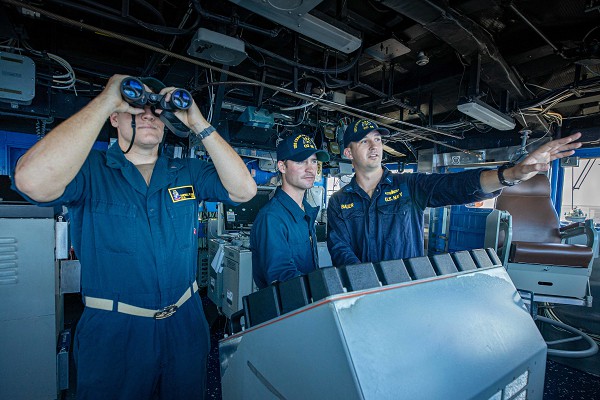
[133, 92]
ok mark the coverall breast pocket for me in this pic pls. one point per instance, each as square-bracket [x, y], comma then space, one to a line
[353, 213]
[300, 247]
[392, 216]
[397, 208]
[114, 227]
[184, 219]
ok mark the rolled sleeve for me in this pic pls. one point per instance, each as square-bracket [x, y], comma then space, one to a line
[207, 182]
[72, 194]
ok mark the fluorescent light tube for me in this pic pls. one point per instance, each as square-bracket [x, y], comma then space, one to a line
[294, 15]
[477, 109]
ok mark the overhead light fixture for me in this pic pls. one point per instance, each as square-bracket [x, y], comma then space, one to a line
[482, 112]
[422, 59]
[216, 47]
[293, 14]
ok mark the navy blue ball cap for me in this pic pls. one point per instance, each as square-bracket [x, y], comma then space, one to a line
[153, 83]
[361, 128]
[299, 148]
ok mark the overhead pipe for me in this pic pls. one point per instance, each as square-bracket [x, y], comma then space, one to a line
[153, 10]
[123, 17]
[316, 70]
[111, 16]
[125, 8]
[111, 10]
[234, 21]
[296, 58]
[536, 30]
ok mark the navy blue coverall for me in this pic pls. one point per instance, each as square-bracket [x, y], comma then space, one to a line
[389, 225]
[138, 245]
[283, 240]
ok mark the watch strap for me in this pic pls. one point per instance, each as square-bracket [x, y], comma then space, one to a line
[204, 133]
[501, 178]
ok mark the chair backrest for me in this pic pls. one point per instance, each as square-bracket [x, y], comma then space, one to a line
[534, 218]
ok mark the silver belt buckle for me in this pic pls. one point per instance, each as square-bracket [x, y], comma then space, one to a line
[165, 312]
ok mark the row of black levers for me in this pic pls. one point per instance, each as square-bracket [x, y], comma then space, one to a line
[284, 297]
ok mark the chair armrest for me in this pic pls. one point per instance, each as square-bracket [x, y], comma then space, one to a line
[573, 225]
[581, 228]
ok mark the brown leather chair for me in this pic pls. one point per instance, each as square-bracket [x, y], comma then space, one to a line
[538, 259]
[525, 231]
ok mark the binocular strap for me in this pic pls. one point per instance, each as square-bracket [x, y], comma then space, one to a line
[174, 124]
[132, 133]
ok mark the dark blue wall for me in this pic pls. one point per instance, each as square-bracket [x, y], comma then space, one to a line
[13, 145]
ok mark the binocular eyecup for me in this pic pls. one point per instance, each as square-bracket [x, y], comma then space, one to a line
[134, 93]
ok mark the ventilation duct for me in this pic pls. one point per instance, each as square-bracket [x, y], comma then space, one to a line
[466, 37]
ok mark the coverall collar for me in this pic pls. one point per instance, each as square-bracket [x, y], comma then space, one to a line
[293, 208]
[116, 159]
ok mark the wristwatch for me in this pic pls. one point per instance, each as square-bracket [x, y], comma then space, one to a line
[204, 133]
[503, 181]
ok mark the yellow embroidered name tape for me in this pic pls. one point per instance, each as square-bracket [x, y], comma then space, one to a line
[182, 193]
[394, 197]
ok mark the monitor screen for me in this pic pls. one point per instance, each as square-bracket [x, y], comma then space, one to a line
[242, 216]
[7, 195]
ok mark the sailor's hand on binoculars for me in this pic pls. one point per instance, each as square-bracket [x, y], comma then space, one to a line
[190, 117]
[112, 95]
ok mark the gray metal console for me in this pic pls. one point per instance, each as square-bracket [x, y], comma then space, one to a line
[450, 326]
[28, 323]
